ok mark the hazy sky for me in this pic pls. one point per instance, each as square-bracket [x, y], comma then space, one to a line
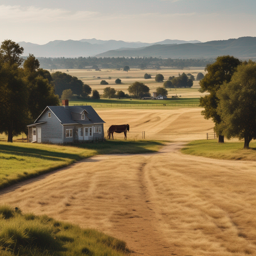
[131, 20]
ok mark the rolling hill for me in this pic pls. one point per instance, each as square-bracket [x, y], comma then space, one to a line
[244, 47]
[84, 47]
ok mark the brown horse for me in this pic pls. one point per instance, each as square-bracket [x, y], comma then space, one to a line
[118, 129]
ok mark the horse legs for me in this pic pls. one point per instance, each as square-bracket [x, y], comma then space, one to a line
[125, 137]
[112, 135]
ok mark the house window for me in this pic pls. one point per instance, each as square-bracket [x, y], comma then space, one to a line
[34, 132]
[99, 130]
[96, 129]
[90, 132]
[49, 114]
[83, 117]
[69, 133]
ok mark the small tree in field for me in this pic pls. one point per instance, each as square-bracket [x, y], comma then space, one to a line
[95, 95]
[237, 104]
[138, 89]
[126, 68]
[199, 76]
[147, 76]
[118, 81]
[67, 94]
[162, 91]
[159, 78]
[120, 94]
[109, 92]
[104, 82]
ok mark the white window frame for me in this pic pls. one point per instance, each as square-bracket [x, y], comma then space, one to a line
[69, 133]
[86, 131]
[83, 116]
[49, 115]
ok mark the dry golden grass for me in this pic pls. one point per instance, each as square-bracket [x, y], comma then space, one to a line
[160, 204]
[90, 77]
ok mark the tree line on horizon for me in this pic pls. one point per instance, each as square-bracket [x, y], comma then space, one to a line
[120, 62]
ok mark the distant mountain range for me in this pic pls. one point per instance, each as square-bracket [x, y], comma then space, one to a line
[86, 47]
[244, 47]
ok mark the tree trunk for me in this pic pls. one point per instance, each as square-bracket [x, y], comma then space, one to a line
[246, 142]
[10, 136]
[221, 139]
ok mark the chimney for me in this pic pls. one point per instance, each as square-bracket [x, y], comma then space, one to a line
[65, 103]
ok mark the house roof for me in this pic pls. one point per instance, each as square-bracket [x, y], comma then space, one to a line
[65, 114]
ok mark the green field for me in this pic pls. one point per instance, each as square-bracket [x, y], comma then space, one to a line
[227, 150]
[134, 103]
[21, 161]
[30, 235]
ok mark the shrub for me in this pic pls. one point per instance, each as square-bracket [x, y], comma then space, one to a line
[118, 81]
[103, 82]
[199, 76]
[147, 76]
[159, 78]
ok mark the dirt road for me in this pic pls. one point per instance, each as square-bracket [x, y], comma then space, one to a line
[160, 204]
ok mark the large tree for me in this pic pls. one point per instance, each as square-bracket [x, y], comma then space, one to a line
[13, 91]
[159, 78]
[237, 104]
[138, 89]
[218, 73]
[63, 81]
[40, 90]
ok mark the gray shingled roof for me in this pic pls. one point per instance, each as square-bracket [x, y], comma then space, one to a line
[64, 114]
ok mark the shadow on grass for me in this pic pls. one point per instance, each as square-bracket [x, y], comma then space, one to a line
[37, 153]
[123, 147]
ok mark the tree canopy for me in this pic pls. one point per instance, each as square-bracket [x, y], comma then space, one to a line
[109, 92]
[168, 84]
[95, 95]
[126, 68]
[104, 82]
[86, 90]
[218, 73]
[120, 94]
[63, 81]
[147, 76]
[67, 94]
[159, 78]
[237, 104]
[162, 91]
[24, 91]
[182, 81]
[138, 89]
[118, 81]
[199, 76]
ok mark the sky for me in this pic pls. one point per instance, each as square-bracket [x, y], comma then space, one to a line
[131, 20]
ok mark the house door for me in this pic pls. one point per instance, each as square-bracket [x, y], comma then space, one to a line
[90, 133]
[80, 133]
[39, 139]
[33, 134]
[86, 133]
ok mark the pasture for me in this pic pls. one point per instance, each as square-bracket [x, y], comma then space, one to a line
[93, 79]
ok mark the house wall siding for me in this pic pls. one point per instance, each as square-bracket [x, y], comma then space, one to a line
[52, 130]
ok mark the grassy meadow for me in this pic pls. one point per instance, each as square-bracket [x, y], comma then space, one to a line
[21, 161]
[30, 235]
[93, 79]
[227, 150]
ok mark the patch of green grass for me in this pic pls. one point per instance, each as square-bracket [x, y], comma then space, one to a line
[136, 103]
[227, 150]
[20, 161]
[40, 236]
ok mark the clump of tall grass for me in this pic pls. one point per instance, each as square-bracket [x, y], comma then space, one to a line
[30, 235]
